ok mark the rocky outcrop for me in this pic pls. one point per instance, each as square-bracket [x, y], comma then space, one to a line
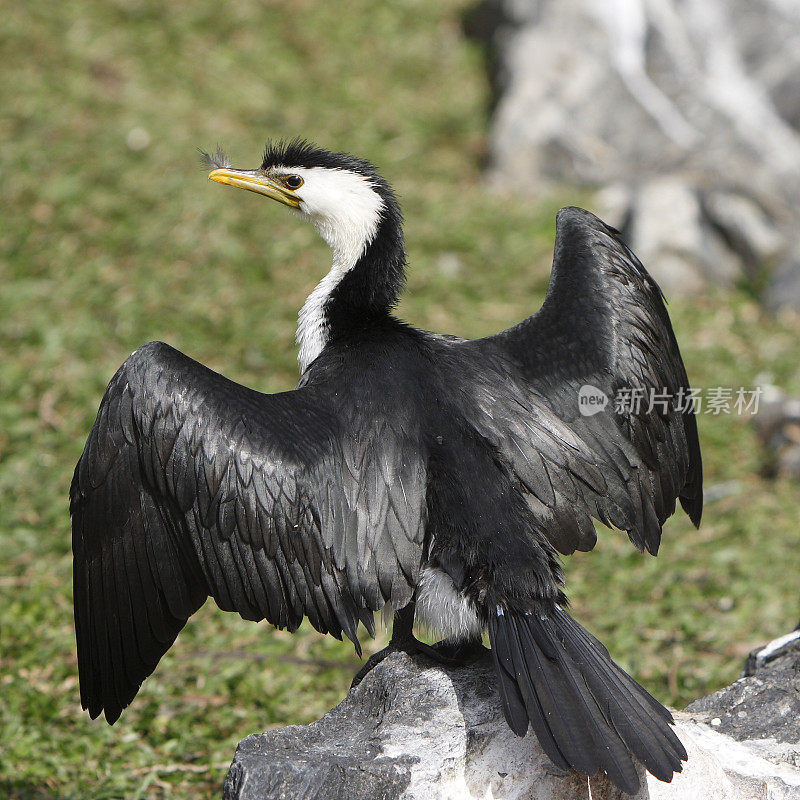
[685, 112]
[763, 707]
[416, 730]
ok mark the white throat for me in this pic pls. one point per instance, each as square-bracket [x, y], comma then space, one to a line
[312, 325]
[346, 210]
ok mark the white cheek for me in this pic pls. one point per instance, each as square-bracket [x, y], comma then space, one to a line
[344, 208]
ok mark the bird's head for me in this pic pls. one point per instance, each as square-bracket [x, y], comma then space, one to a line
[356, 213]
[341, 195]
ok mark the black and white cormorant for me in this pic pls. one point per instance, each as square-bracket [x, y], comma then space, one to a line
[439, 475]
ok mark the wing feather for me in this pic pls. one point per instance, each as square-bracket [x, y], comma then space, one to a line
[278, 506]
[603, 323]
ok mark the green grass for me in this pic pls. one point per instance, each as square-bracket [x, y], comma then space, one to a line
[103, 247]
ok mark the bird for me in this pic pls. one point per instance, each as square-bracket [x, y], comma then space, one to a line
[440, 477]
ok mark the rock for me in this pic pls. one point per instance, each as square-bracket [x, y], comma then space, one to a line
[416, 730]
[784, 288]
[668, 224]
[763, 705]
[721, 767]
[781, 653]
[410, 729]
[778, 426]
[691, 107]
[753, 233]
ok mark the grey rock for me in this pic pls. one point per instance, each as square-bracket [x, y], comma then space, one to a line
[413, 730]
[668, 224]
[721, 767]
[762, 706]
[416, 730]
[690, 105]
[780, 653]
[752, 233]
[784, 288]
[789, 462]
[778, 425]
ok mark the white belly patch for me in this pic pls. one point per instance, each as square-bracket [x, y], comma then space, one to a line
[443, 609]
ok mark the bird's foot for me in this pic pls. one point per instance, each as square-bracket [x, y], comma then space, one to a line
[402, 641]
[445, 652]
[408, 644]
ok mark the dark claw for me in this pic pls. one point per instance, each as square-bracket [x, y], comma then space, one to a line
[372, 662]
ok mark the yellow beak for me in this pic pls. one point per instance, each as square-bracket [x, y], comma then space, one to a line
[255, 181]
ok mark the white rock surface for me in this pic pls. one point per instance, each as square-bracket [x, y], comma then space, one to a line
[419, 731]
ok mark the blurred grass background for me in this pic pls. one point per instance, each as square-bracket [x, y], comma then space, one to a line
[111, 236]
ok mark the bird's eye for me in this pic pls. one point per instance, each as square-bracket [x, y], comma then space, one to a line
[293, 181]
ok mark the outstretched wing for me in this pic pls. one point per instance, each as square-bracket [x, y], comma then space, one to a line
[603, 326]
[278, 506]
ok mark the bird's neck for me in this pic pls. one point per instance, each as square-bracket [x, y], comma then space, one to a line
[363, 285]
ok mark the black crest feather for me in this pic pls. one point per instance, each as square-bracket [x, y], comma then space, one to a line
[302, 153]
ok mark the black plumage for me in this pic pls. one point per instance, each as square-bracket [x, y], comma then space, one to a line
[401, 456]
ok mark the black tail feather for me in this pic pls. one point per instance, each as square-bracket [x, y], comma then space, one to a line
[607, 751]
[587, 713]
[513, 703]
[638, 720]
[544, 702]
